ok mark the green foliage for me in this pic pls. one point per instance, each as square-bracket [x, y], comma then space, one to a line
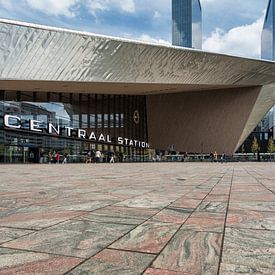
[271, 145]
[255, 146]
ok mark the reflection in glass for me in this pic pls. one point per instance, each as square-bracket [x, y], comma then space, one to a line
[268, 33]
[92, 121]
[186, 23]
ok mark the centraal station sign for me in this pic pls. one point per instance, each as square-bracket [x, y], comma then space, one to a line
[14, 122]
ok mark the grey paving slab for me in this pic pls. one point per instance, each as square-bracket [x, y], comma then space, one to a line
[151, 218]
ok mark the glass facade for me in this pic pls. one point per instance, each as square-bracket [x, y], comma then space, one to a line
[33, 124]
[187, 23]
[268, 33]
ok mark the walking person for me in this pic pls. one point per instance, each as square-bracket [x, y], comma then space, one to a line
[50, 155]
[57, 158]
[97, 156]
[223, 157]
[215, 157]
[65, 158]
[112, 159]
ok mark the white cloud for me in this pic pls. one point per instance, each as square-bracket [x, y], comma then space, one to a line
[100, 5]
[156, 15]
[148, 38]
[242, 41]
[53, 7]
[7, 4]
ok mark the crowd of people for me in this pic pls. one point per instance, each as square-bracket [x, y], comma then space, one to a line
[54, 157]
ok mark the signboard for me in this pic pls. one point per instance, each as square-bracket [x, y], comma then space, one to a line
[14, 122]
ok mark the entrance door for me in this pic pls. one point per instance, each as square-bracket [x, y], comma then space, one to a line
[33, 156]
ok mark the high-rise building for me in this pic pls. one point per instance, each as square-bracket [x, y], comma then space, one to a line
[186, 26]
[266, 127]
[268, 33]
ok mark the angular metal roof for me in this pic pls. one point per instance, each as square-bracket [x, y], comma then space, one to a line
[35, 52]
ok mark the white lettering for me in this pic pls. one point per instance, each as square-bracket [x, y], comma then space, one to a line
[126, 141]
[108, 138]
[120, 140]
[7, 120]
[69, 131]
[81, 133]
[101, 138]
[131, 143]
[92, 136]
[52, 129]
[143, 144]
[34, 124]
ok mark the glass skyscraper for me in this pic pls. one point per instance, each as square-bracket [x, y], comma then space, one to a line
[268, 34]
[187, 26]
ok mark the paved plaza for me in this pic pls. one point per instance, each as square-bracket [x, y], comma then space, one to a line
[145, 218]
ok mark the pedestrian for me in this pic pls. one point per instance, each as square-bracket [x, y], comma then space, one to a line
[112, 159]
[97, 156]
[50, 155]
[215, 157]
[57, 158]
[211, 156]
[65, 158]
[223, 157]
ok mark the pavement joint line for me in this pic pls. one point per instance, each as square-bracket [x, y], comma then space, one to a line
[134, 229]
[261, 183]
[180, 227]
[224, 228]
[39, 252]
[254, 229]
[133, 251]
[203, 184]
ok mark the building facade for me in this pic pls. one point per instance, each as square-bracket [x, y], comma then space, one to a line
[266, 127]
[187, 23]
[75, 93]
[268, 33]
[37, 123]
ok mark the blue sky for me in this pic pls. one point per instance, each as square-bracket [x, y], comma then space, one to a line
[229, 26]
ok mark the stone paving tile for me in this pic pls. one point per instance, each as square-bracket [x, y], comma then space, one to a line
[231, 269]
[251, 219]
[116, 214]
[191, 252]
[155, 271]
[147, 201]
[8, 234]
[205, 221]
[72, 238]
[186, 203]
[142, 206]
[148, 237]
[254, 248]
[212, 206]
[23, 262]
[252, 196]
[261, 206]
[213, 197]
[115, 262]
[35, 217]
[171, 215]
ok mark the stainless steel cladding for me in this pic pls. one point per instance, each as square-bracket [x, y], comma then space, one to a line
[34, 52]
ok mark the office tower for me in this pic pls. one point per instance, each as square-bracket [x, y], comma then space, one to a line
[186, 23]
[268, 33]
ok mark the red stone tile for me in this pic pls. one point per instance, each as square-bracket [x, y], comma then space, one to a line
[155, 271]
[22, 262]
[204, 221]
[148, 237]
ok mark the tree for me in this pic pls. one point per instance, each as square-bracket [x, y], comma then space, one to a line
[255, 146]
[270, 146]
